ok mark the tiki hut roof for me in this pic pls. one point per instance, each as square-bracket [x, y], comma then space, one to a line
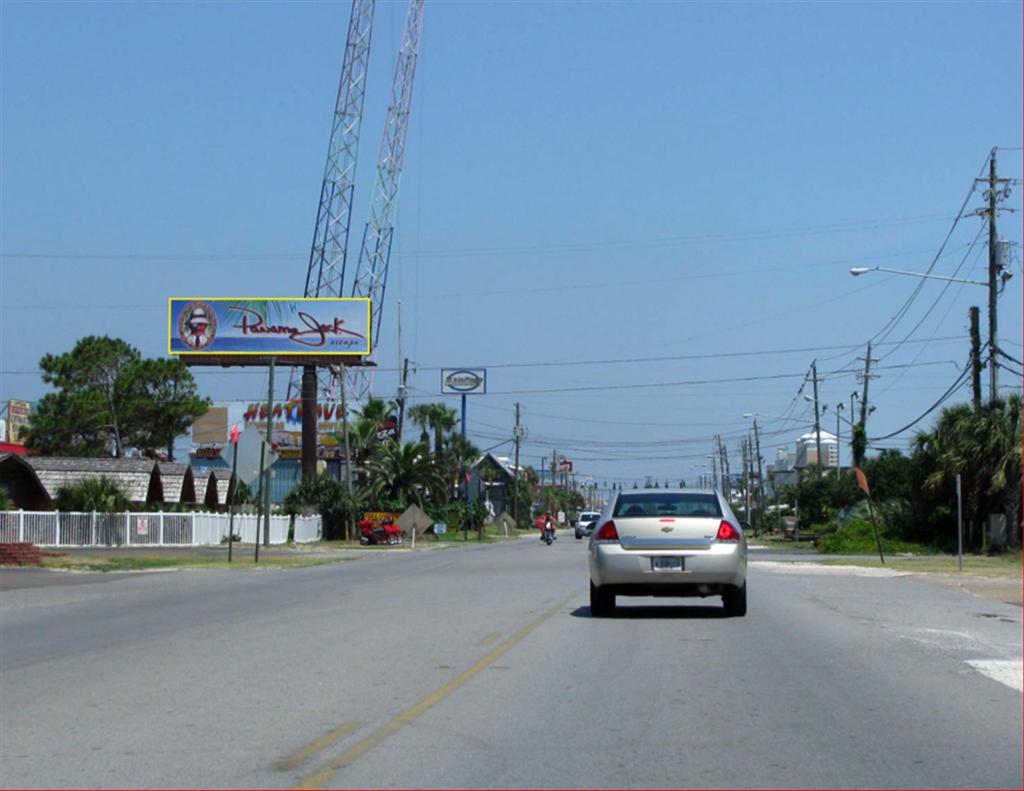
[22, 484]
[178, 482]
[140, 478]
[206, 489]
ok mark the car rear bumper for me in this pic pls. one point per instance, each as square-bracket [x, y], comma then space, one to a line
[722, 566]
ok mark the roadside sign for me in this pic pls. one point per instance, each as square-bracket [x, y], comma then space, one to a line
[463, 381]
[143, 526]
[248, 450]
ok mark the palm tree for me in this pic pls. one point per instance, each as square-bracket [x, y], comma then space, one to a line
[443, 420]
[983, 446]
[458, 457]
[92, 494]
[376, 410]
[421, 416]
[436, 417]
[403, 473]
[1003, 450]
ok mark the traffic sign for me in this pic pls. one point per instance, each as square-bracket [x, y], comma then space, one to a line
[248, 450]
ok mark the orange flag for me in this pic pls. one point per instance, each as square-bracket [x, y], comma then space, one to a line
[862, 480]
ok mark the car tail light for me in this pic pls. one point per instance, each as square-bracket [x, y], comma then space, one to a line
[727, 532]
[607, 533]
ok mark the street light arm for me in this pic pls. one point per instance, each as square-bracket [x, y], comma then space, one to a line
[861, 270]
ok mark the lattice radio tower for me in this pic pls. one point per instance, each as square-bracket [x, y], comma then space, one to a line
[329, 254]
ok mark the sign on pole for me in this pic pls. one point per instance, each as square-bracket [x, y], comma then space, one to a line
[248, 451]
[463, 381]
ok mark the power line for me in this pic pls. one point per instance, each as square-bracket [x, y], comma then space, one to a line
[957, 384]
[942, 293]
[556, 248]
[891, 324]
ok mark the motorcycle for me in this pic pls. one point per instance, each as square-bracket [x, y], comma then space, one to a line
[547, 535]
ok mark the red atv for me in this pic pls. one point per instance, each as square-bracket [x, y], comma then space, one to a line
[371, 533]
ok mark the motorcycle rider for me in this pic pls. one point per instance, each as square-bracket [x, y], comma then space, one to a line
[548, 531]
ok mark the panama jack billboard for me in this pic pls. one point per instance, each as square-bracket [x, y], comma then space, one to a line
[220, 325]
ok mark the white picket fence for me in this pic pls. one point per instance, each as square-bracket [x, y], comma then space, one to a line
[92, 529]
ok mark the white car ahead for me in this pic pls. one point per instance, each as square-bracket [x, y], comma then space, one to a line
[668, 542]
[585, 524]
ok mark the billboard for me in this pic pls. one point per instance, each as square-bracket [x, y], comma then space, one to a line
[17, 420]
[286, 427]
[211, 428]
[219, 325]
[463, 381]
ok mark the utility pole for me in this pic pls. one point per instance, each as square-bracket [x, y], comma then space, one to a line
[760, 479]
[722, 462]
[554, 475]
[864, 396]
[517, 435]
[993, 195]
[746, 477]
[402, 391]
[993, 280]
[817, 417]
[727, 487]
[839, 445]
[859, 443]
[975, 357]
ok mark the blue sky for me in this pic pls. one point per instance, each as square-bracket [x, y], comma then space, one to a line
[585, 183]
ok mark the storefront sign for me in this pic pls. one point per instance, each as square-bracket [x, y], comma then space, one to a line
[17, 420]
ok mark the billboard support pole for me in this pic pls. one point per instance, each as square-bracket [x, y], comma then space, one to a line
[463, 415]
[309, 438]
[270, 444]
[350, 527]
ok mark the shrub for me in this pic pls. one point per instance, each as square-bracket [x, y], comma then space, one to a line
[92, 494]
[857, 537]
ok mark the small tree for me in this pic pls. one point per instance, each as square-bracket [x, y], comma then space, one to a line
[163, 403]
[108, 398]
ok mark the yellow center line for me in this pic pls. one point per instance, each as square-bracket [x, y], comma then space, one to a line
[488, 639]
[322, 777]
[314, 747]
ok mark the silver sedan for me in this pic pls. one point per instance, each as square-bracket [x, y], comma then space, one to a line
[668, 542]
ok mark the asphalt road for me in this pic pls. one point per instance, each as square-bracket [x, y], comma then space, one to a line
[480, 666]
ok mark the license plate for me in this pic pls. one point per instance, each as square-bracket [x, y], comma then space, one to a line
[666, 564]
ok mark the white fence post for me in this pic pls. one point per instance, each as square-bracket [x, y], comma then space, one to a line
[127, 529]
[161, 528]
[21, 525]
[92, 530]
[56, 528]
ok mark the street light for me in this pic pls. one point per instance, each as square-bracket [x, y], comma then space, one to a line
[862, 270]
[996, 269]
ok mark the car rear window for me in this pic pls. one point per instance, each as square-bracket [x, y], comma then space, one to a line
[677, 504]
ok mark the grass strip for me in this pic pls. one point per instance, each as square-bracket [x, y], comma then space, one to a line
[148, 562]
